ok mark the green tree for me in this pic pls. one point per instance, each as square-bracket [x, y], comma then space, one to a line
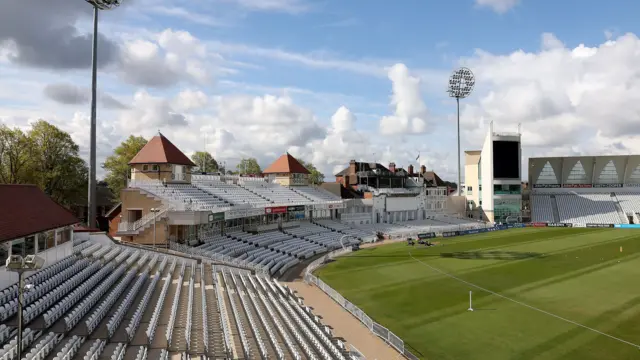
[248, 166]
[56, 165]
[15, 156]
[204, 161]
[316, 177]
[117, 165]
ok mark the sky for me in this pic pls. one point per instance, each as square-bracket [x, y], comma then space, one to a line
[327, 80]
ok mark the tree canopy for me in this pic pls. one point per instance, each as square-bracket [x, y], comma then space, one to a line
[316, 177]
[117, 165]
[248, 166]
[47, 157]
[204, 161]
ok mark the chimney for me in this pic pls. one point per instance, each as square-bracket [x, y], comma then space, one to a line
[392, 167]
[352, 167]
[423, 169]
[410, 169]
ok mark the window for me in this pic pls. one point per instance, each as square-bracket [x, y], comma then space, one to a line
[51, 239]
[469, 190]
[577, 175]
[30, 245]
[547, 175]
[504, 189]
[609, 174]
[480, 187]
[42, 242]
[17, 247]
[145, 167]
[4, 255]
[154, 167]
[64, 236]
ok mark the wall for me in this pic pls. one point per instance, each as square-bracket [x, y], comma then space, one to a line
[113, 224]
[134, 199]
[146, 237]
[471, 176]
[164, 173]
[50, 256]
[486, 173]
[188, 217]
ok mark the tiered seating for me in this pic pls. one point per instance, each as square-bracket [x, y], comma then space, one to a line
[587, 208]
[346, 229]
[629, 202]
[276, 193]
[316, 194]
[185, 195]
[233, 194]
[541, 208]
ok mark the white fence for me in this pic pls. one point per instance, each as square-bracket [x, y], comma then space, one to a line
[373, 326]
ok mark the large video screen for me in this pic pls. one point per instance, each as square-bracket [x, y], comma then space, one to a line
[506, 160]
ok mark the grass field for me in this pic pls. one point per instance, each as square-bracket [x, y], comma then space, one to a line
[577, 274]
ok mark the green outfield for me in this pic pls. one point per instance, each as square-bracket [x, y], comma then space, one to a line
[579, 275]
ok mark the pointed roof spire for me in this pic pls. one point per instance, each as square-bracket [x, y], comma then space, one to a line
[286, 164]
[159, 150]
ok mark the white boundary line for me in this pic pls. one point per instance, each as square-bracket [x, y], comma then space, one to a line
[523, 304]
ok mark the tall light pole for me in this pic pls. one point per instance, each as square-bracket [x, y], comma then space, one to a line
[20, 265]
[97, 5]
[461, 83]
[154, 211]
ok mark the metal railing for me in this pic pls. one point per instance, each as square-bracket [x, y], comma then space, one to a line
[143, 221]
[377, 329]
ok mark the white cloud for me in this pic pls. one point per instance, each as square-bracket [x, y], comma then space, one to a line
[411, 114]
[499, 6]
[288, 6]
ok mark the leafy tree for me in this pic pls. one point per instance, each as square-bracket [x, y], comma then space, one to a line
[248, 166]
[56, 165]
[204, 161]
[316, 177]
[117, 165]
[15, 155]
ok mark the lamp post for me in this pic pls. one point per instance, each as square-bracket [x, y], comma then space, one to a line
[154, 211]
[461, 83]
[97, 5]
[20, 265]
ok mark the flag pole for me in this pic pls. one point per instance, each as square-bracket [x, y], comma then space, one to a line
[470, 304]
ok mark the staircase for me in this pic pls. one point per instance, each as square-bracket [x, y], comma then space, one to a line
[623, 217]
[140, 225]
[554, 207]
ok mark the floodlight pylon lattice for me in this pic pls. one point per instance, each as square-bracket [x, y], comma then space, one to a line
[461, 84]
[92, 193]
[105, 4]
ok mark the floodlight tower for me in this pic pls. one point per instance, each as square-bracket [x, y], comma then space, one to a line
[97, 6]
[461, 83]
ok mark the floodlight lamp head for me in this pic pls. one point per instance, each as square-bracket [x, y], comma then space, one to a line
[105, 4]
[33, 262]
[461, 83]
[15, 262]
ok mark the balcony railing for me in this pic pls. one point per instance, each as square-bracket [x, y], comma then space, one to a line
[143, 221]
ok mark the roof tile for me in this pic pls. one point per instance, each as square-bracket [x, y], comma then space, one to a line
[159, 150]
[27, 210]
[286, 164]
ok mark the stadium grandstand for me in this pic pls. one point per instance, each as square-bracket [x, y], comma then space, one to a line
[585, 190]
[192, 272]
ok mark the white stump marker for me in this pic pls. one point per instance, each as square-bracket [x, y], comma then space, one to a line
[470, 303]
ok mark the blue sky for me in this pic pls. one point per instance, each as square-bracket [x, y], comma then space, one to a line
[258, 78]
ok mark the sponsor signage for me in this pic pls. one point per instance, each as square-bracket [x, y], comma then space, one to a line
[607, 185]
[328, 206]
[430, 235]
[295, 208]
[628, 226]
[579, 225]
[275, 210]
[632, 185]
[240, 213]
[216, 217]
[558, 225]
[577, 186]
[546, 186]
[449, 233]
[539, 224]
[599, 225]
